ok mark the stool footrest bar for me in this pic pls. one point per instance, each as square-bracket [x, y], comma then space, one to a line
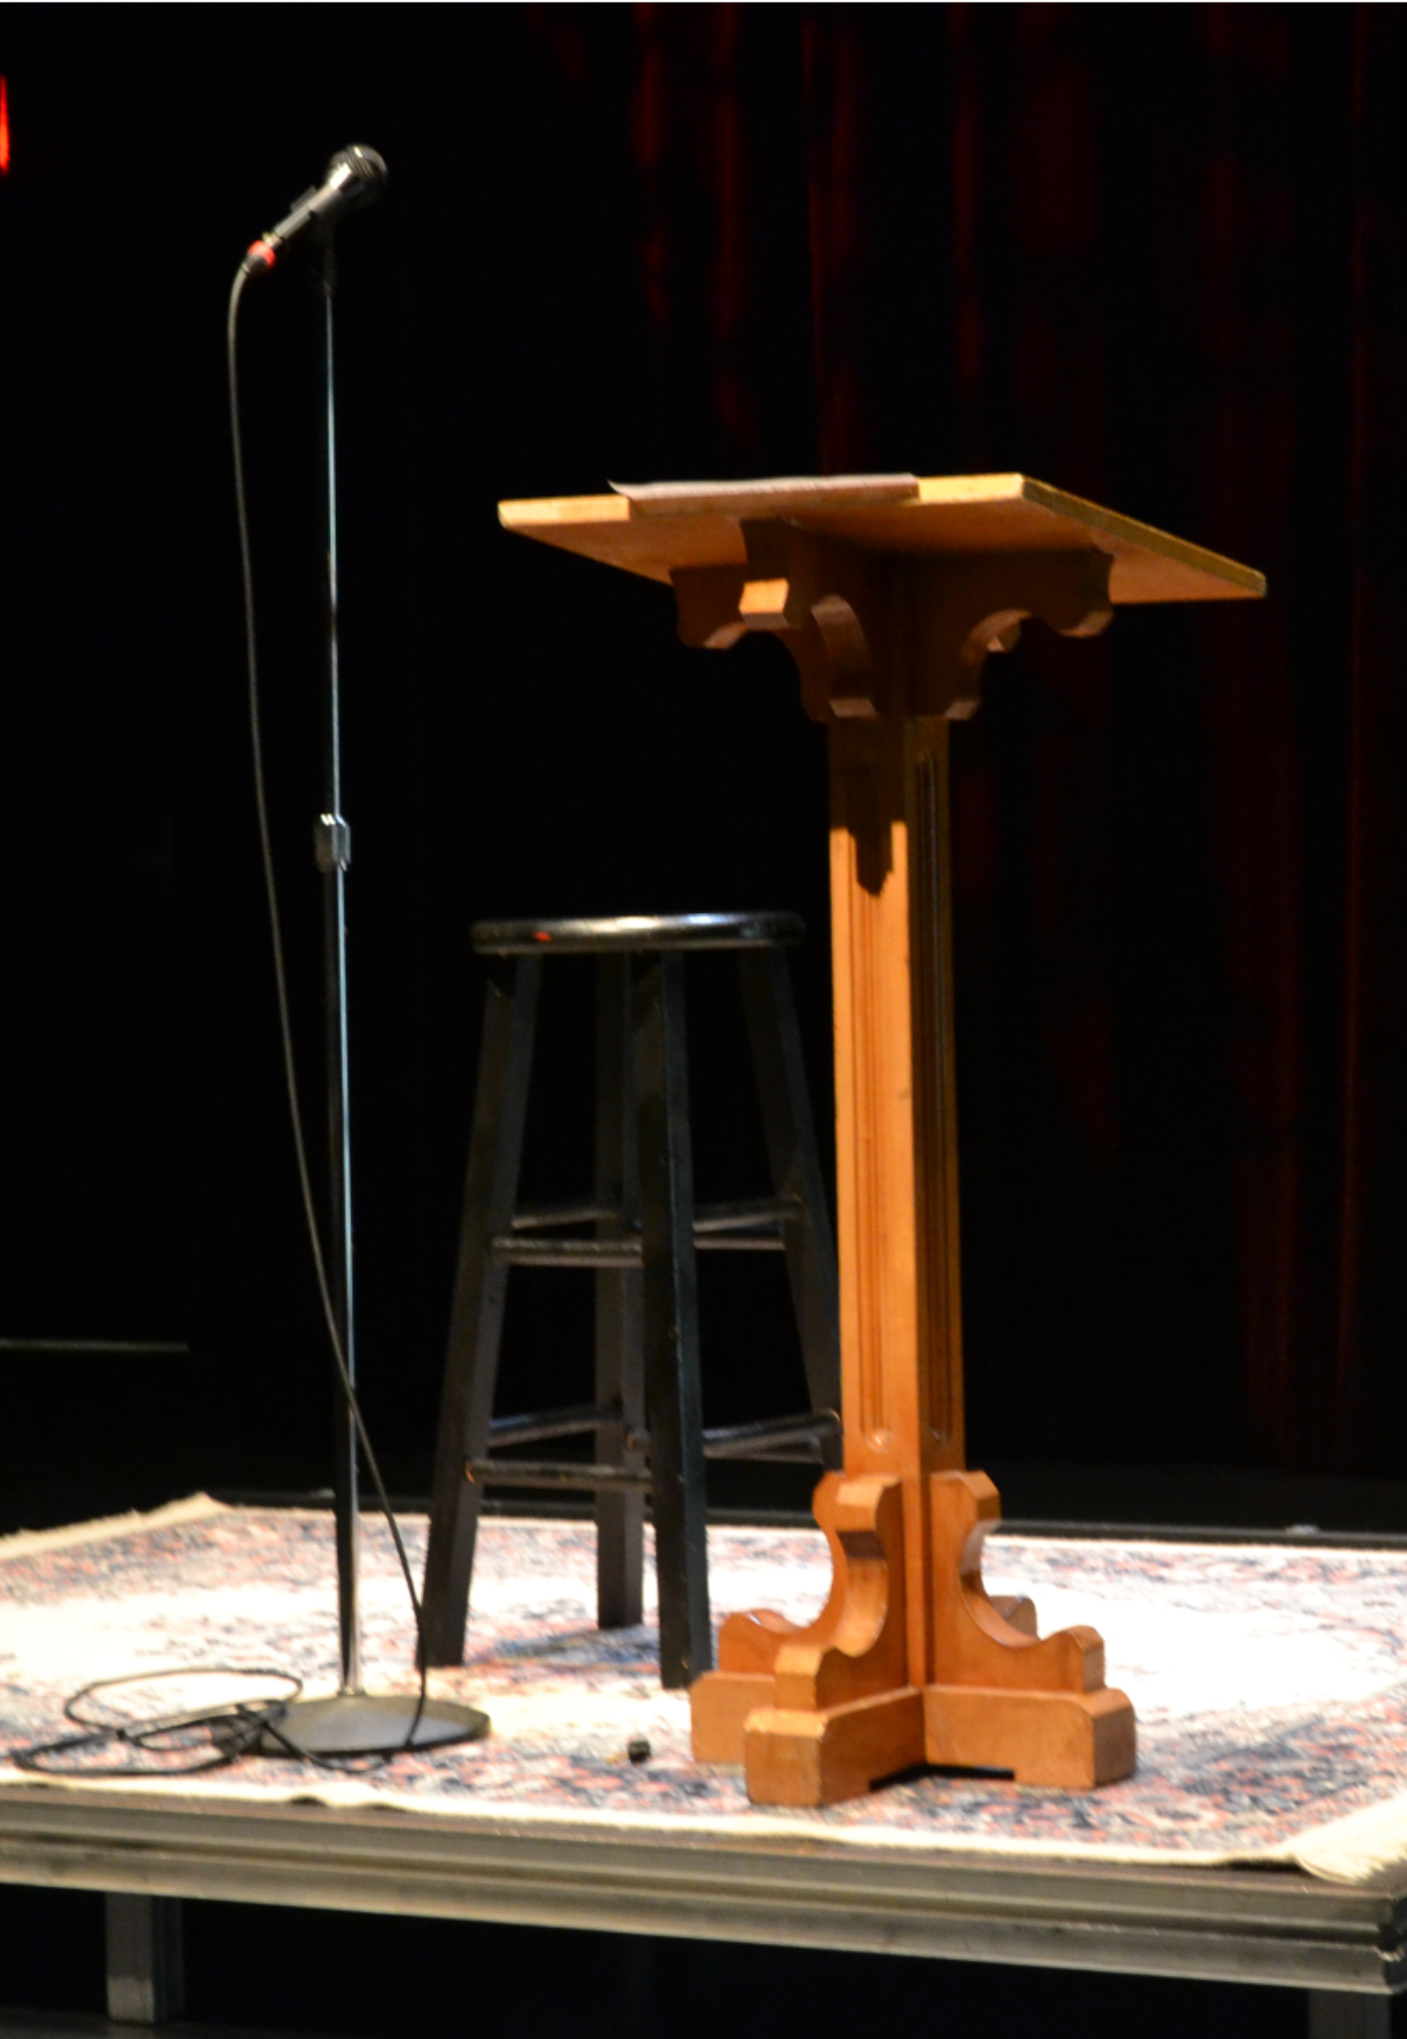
[784, 1439]
[493, 1472]
[739, 1216]
[537, 1217]
[756, 1440]
[536, 1428]
[594, 1254]
[754, 1227]
[740, 1242]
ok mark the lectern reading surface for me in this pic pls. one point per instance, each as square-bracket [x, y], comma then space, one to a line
[890, 591]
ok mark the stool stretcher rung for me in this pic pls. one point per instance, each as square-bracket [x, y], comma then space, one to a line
[493, 1472]
[742, 1215]
[777, 1455]
[538, 1217]
[782, 1440]
[738, 1216]
[512, 1250]
[591, 1253]
[537, 1428]
[740, 1242]
[759, 1440]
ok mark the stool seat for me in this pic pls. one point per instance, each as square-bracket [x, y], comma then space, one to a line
[633, 934]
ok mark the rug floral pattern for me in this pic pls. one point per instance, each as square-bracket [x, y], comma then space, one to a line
[1270, 1683]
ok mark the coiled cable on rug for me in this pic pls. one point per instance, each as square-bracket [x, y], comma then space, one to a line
[220, 1734]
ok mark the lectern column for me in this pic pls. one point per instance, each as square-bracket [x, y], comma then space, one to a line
[896, 1120]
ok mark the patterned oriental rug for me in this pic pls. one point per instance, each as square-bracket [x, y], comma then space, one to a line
[1270, 1683]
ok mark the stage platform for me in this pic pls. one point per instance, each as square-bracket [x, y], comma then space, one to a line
[1262, 1839]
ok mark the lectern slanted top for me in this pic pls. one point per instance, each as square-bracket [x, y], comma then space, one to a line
[890, 591]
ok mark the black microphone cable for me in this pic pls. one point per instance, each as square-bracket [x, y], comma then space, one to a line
[201, 1737]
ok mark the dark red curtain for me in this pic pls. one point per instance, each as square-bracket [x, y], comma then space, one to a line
[1154, 255]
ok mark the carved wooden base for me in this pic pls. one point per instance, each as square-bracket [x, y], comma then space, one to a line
[874, 1686]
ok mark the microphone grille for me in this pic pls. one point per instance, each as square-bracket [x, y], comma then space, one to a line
[366, 170]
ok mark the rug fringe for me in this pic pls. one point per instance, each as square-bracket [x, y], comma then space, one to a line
[1359, 1848]
[28, 1542]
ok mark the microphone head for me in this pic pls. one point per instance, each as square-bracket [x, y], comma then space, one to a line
[360, 172]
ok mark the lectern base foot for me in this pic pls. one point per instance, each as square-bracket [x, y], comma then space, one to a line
[1068, 1741]
[796, 1758]
[719, 1705]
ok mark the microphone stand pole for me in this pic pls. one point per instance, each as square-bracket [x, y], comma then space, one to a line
[333, 848]
[355, 1722]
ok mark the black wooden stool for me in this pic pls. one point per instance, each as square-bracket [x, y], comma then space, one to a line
[647, 1413]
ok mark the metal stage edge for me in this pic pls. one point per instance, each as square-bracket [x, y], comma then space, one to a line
[1273, 1927]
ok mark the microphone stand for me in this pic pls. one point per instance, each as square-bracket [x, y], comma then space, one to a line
[354, 1722]
[332, 848]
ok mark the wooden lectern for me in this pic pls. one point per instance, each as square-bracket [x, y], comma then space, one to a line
[890, 591]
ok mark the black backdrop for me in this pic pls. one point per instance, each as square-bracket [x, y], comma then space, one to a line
[1149, 254]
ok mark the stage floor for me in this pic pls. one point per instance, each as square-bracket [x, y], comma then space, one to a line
[1263, 1837]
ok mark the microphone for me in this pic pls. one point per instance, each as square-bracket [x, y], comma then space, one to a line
[354, 177]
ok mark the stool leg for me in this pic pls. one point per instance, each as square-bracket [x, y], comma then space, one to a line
[671, 1322]
[620, 1377]
[796, 1172]
[476, 1315]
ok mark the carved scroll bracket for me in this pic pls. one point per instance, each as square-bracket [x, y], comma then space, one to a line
[882, 633]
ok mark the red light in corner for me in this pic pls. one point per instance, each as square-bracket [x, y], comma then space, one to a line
[4, 127]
